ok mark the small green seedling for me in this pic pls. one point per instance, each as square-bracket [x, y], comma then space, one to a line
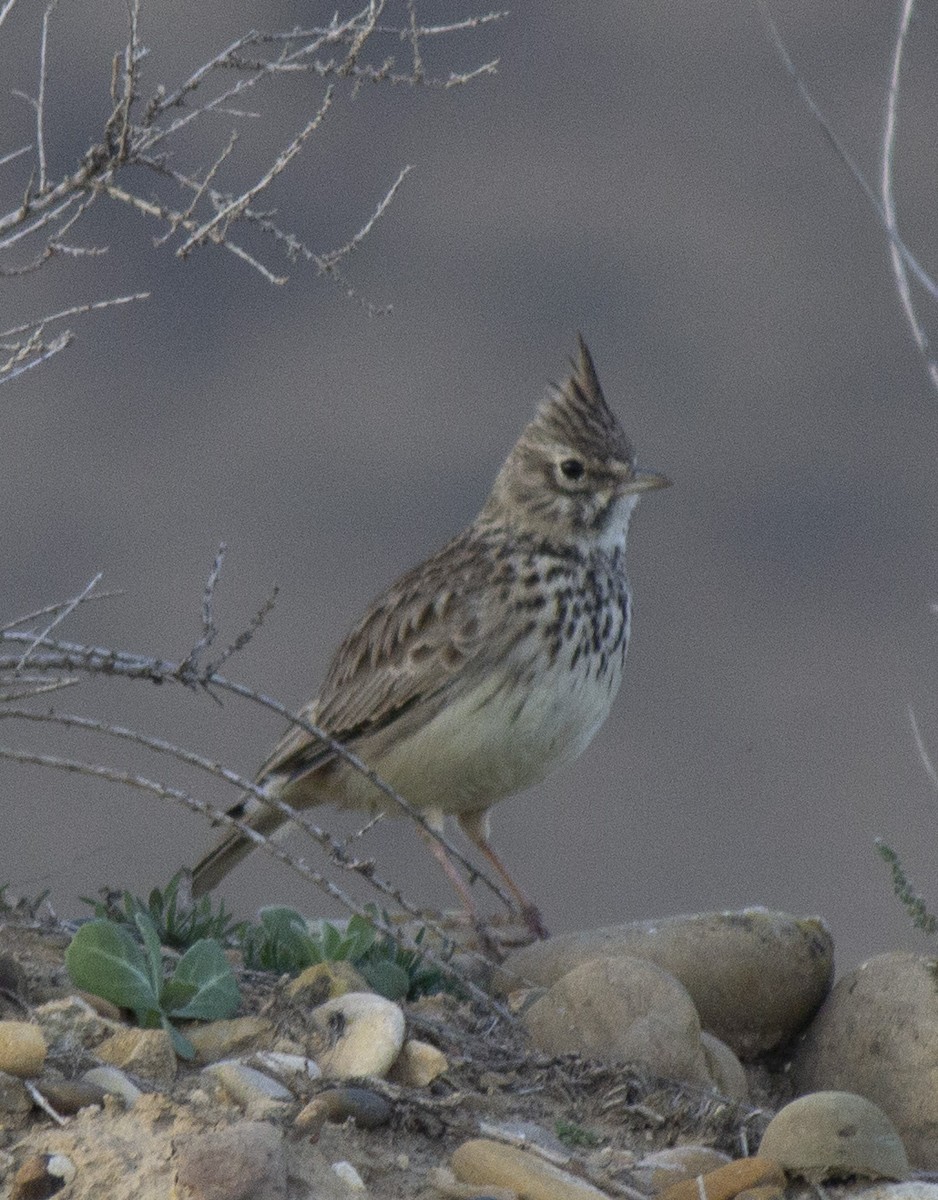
[576, 1136]
[177, 924]
[106, 959]
[283, 942]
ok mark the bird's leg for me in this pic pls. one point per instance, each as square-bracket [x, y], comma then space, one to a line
[475, 826]
[488, 943]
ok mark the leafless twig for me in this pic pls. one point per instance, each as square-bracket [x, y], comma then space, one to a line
[142, 134]
[903, 259]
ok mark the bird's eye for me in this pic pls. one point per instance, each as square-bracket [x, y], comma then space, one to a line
[572, 468]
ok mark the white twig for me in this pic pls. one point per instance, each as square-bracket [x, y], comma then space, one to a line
[4, 159]
[40, 1100]
[846, 158]
[923, 754]
[330, 260]
[41, 98]
[889, 204]
[6, 10]
[77, 310]
[9, 371]
[231, 211]
[60, 616]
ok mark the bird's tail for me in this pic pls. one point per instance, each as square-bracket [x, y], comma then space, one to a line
[212, 868]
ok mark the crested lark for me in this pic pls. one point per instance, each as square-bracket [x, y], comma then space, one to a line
[491, 663]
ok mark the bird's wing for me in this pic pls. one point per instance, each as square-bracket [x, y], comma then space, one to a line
[400, 663]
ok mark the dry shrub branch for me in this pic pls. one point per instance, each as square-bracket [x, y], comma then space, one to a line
[135, 157]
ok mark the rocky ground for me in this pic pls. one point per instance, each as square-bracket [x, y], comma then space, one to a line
[612, 1063]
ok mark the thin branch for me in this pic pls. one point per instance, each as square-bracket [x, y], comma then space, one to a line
[300, 866]
[49, 609]
[41, 98]
[67, 608]
[77, 310]
[70, 657]
[328, 261]
[924, 756]
[236, 207]
[846, 158]
[6, 10]
[35, 687]
[889, 205]
[9, 371]
[6, 158]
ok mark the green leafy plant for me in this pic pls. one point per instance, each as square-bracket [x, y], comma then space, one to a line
[283, 942]
[177, 924]
[106, 959]
[575, 1136]
[913, 903]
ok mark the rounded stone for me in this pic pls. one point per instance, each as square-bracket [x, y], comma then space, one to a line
[325, 981]
[725, 1068]
[418, 1064]
[114, 1082]
[257, 1093]
[622, 1010]
[71, 1023]
[69, 1096]
[661, 1168]
[877, 1035]
[484, 1163]
[222, 1039]
[367, 1109]
[245, 1161]
[725, 1182]
[22, 1048]
[756, 976]
[834, 1135]
[363, 1033]
[145, 1052]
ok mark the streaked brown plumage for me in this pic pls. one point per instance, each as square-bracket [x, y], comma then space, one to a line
[495, 660]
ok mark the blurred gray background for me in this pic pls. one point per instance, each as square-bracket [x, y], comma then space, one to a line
[644, 173]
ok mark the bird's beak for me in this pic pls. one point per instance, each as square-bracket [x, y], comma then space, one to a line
[645, 481]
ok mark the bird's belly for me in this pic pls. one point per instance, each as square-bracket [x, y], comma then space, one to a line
[497, 739]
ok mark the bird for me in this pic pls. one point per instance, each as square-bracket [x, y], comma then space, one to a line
[489, 665]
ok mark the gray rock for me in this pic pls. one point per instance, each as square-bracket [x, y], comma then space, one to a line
[622, 1010]
[834, 1135]
[256, 1092]
[756, 976]
[877, 1034]
[725, 1068]
[113, 1081]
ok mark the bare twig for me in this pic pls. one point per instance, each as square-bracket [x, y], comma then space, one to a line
[236, 207]
[6, 10]
[300, 866]
[32, 354]
[41, 97]
[347, 52]
[60, 616]
[69, 658]
[49, 609]
[8, 158]
[884, 208]
[889, 205]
